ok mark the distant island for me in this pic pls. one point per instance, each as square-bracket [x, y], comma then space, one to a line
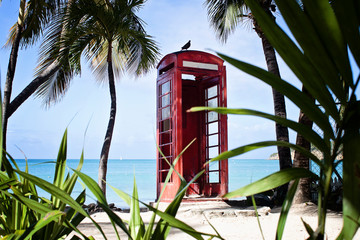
[315, 151]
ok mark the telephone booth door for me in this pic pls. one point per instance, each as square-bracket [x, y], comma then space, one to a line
[187, 79]
[215, 137]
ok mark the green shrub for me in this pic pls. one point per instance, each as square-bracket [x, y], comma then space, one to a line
[26, 215]
[135, 228]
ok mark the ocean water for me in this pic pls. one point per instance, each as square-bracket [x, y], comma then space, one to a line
[121, 174]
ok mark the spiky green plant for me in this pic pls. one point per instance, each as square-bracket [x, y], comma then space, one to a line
[26, 215]
[135, 228]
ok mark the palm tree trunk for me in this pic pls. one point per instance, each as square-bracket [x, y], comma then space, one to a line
[11, 69]
[303, 193]
[109, 132]
[30, 89]
[282, 133]
[9, 80]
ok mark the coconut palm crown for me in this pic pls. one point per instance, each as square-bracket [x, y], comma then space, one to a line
[87, 29]
[111, 38]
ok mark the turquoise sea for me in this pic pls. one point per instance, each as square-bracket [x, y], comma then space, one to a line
[121, 175]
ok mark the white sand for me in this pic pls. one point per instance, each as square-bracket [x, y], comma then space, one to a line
[230, 222]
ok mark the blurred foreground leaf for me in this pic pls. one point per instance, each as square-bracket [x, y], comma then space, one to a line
[272, 181]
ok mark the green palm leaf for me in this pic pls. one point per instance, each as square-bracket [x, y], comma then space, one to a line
[272, 181]
[136, 225]
[308, 133]
[285, 209]
[295, 95]
[250, 147]
[47, 219]
[312, 44]
[296, 60]
[351, 171]
[102, 202]
[347, 14]
[328, 29]
[53, 190]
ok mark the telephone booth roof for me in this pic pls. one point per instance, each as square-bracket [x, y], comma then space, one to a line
[190, 59]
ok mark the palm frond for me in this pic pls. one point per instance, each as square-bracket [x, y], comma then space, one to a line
[144, 55]
[98, 57]
[132, 50]
[11, 37]
[225, 15]
[38, 14]
[55, 87]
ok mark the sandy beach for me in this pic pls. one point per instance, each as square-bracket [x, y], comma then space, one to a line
[230, 221]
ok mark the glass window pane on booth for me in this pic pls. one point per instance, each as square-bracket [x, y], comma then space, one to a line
[213, 140]
[213, 128]
[164, 168]
[188, 77]
[212, 116]
[163, 175]
[214, 166]
[213, 177]
[213, 152]
[165, 113]
[165, 125]
[165, 138]
[165, 100]
[164, 163]
[211, 92]
[165, 88]
[166, 150]
[212, 102]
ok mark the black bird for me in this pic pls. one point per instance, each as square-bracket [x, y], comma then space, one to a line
[186, 46]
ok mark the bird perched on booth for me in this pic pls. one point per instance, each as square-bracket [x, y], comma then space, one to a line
[186, 46]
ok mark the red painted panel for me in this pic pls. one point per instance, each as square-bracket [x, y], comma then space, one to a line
[190, 129]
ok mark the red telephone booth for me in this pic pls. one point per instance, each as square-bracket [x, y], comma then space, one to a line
[187, 79]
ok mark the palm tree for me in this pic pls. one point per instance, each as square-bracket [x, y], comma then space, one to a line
[224, 16]
[112, 38]
[303, 193]
[33, 17]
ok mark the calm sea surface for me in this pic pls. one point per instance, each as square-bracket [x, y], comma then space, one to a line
[121, 175]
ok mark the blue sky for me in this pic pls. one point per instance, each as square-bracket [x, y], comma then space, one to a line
[37, 131]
